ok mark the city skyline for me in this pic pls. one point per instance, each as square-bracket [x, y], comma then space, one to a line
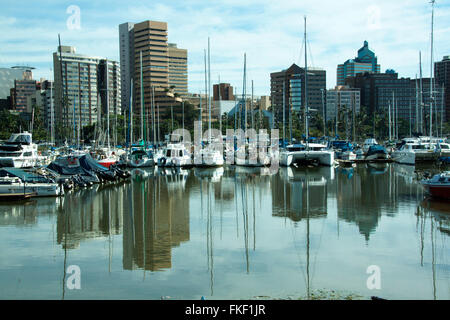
[270, 34]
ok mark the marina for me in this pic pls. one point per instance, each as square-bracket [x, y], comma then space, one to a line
[128, 172]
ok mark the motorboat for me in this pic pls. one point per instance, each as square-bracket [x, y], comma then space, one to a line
[19, 151]
[139, 159]
[414, 150]
[14, 181]
[175, 155]
[438, 186]
[312, 152]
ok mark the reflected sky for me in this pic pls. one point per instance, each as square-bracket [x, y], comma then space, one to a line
[231, 233]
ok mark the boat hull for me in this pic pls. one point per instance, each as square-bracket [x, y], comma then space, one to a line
[325, 158]
[17, 162]
[437, 191]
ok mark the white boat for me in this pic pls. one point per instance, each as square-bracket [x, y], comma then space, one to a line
[139, 159]
[19, 151]
[175, 155]
[414, 150]
[14, 182]
[299, 153]
[211, 157]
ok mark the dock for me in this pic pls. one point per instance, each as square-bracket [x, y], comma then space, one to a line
[350, 162]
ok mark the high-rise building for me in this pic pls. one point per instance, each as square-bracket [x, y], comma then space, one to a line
[442, 75]
[78, 89]
[223, 91]
[164, 69]
[9, 75]
[379, 91]
[366, 61]
[342, 98]
[178, 73]
[126, 47]
[22, 90]
[292, 82]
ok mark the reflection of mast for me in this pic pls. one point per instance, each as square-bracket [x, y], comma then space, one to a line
[307, 239]
[433, 256]
[245, 222]
[209, 239]
[66, 217]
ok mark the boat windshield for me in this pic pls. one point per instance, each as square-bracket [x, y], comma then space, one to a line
[20, 138]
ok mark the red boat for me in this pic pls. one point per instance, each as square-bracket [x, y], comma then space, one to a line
[438, 186]
[107, 162]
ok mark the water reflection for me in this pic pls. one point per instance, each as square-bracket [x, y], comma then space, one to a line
[156, 219]
[224, 223]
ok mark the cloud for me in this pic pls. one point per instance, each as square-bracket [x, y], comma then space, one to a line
[270, 33]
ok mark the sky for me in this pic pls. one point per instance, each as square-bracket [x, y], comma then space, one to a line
[269, 33]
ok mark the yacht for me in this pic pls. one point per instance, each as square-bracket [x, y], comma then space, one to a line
[14, 181]
[19, 151]
[414, 150]
[312, 152]
[175, 155]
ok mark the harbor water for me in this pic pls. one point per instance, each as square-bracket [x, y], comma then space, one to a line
[231, 233]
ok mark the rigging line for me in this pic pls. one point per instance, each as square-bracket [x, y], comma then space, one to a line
[310, 53]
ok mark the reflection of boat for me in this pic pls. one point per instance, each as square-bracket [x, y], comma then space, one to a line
[145, 173]
[438, 186]
[213, 174]
[377, 168]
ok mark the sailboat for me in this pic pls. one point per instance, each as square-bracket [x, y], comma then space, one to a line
[211, 157]
[309, 152]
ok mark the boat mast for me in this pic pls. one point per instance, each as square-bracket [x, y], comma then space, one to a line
[209, 90]
[142, 99]
[417, 106]
[306, 95]
[431, 69]
[131, 114]
[107, 102]
[284, 111]
[422, 129]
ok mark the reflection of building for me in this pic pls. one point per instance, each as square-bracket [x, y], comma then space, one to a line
[364, 193]
[299, 192]
[156, 219]
[90, 214]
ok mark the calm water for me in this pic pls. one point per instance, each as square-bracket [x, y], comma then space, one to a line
[231, 233]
